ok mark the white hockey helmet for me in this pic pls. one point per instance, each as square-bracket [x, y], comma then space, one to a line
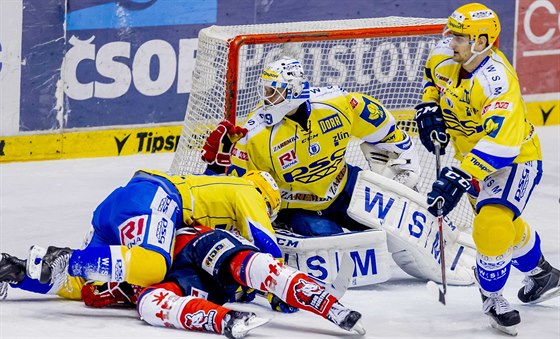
[283, 88]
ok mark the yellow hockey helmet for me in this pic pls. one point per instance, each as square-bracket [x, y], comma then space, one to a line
[267, 187]
[474, 20]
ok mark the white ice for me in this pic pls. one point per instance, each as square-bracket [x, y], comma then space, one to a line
[51, 203]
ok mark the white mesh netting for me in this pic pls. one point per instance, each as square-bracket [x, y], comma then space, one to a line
[383, 57]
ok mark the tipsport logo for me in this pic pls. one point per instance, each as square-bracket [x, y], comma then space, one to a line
[112, 14]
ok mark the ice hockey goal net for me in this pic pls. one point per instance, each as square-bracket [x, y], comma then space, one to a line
[383, 57]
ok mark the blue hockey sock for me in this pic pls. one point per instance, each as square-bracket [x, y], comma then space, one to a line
[493, 272]
[527, 257]
[32, 285]
[91, 263]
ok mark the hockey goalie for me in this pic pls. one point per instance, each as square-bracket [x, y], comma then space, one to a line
[300, 134]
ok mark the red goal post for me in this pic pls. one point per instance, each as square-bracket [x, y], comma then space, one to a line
[383, 57]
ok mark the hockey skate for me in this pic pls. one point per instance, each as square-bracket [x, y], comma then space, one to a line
[346, 319]
[50, 265]
[238, 324]
[12, 271]
[543, 285]
[502, 316]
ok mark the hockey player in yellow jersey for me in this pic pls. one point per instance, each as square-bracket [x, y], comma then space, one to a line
[134, 230]
[473, 100]
[299, 134]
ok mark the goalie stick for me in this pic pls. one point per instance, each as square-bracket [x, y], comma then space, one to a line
[432, 286]
[340, 284]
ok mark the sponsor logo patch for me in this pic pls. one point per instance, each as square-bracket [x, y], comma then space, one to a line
[288, 159]
[210, 260]
[354, 103]
[330, 123]
[284, 143]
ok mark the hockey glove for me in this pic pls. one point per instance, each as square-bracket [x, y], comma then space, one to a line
[431, 126]
[450, 186]
[280, 306]
[216, 149]
[110, 294]
[245, 294]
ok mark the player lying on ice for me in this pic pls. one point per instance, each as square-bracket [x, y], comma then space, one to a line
[133, 230]
[300, 134]
[207, 269]
[472, 97]
[213, 264]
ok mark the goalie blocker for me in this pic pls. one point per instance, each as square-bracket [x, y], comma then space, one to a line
[401, 225]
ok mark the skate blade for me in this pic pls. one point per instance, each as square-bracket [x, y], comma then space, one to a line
[547, 295]
[3, 290]
[241, 329]
[511, 330]
[358, 329]
[35, 261]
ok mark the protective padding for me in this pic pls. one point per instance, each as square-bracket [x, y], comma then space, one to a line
[522, 233]
[266, 274]
[161, 307]
[493, 230]
[144, 267]
[321, 257]
[412, 232]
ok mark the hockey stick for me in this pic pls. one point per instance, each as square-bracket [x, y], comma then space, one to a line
[432, 285]
[339, 285]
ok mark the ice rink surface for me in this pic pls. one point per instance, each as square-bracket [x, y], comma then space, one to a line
[51, 203]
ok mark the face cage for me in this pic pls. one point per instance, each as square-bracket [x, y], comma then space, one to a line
[271, 214]
[269, 210]
[278, 93]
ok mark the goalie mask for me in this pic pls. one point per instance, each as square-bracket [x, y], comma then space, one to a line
[474, 20]
[283, 89]
[267, 187]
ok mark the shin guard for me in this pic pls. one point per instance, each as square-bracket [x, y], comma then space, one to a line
[263, 272]
[162, 307]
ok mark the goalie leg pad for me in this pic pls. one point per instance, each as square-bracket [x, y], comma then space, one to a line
[412, 233]
[162, 307]
[493, 230]
[321, 257]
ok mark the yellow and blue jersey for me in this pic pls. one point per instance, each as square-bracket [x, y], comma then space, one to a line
[228, 203]
[308, 161]
[484, 112]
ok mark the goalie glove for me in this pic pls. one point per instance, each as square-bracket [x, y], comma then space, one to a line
[280, 306]
[110, 294]
[216, 149]
[397, 161]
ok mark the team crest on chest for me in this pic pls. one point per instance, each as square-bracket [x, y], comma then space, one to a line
[314, 148]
